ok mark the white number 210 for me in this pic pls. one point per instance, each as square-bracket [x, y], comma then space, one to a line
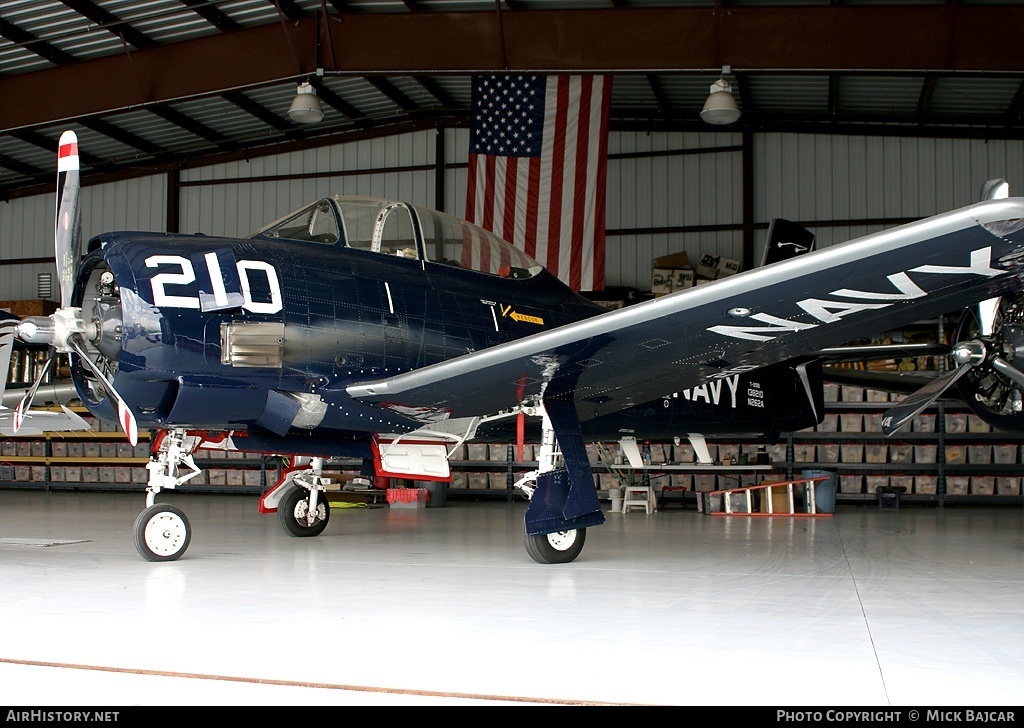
[186, 274]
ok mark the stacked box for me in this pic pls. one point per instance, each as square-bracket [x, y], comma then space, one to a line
[217, 476]
[956, 454]
[476, 452]
[925, 453]
[124, 475]
[956, 423]
[233, 477]
[829, 423]
[704, 482]
[76, 450]
[24, 449]
[876, 395]
[8, 448]
[57, 473]
[141, 475]
[732, 452]
[108, 449]
[926, 484]
[873, 422]
[497, 481]
[851, 483]
[498, 452]
[59, 449]
[876, 453]
[902, 481]
[459, 481]
[682, 480]
[851, 454]
[979, 454]
[1008, 485]
[828, 453]
[1004, 454]
[900, 453]
[976, 424]
[983, 485]
[803, 453]
[90, 474]
[831, 392]
[923, 423]
[249, 477]
[852, 394]
[684, 453]
[851, 422]
[477, 481]
[106, 474]
[72, 473]
[958, 485]
[38, 449]
[91, 449]
[777, 453]
[874, 482]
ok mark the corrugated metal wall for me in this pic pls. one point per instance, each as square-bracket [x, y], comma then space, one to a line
[667, 192]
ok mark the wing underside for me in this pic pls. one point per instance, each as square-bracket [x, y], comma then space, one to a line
[790, 309]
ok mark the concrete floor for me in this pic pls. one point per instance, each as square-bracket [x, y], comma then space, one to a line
[442, 606]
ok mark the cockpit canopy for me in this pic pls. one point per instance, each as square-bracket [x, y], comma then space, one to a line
[408, 231]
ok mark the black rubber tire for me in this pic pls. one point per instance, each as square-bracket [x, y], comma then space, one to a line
[555, 548]
[162, 533]
[291, 511]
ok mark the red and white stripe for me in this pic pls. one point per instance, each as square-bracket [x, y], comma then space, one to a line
[552, 207]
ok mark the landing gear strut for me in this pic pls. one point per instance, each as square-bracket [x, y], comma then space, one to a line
[162, 531]
[560, 547]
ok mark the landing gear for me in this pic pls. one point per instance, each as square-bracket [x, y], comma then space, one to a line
[555, 548]
[559, 547]
[302, 512]
[162, 533]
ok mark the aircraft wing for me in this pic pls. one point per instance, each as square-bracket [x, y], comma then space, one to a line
[786, 310]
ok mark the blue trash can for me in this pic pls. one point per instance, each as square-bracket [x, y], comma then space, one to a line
[824, 490]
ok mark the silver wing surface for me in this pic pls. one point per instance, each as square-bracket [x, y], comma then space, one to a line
[790, 309]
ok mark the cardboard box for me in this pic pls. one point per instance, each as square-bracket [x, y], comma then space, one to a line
[851, 483]
[727, 267]
[1008, 485]
[957, 484]
[673, 260]
[983, 485]
[707, 266]
[926, 484]
[669, 280]
[29, 307]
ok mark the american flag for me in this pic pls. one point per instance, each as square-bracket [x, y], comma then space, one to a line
[538, 155]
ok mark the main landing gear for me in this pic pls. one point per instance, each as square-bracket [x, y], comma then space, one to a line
[560, 547]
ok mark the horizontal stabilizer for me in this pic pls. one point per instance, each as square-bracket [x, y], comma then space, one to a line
[38, 422]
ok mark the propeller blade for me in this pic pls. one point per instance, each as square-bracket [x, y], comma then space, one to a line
[898, 415]
[68, 223]
[26, 401]
[124, 415]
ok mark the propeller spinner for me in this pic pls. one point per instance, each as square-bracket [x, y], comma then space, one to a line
[66, 331]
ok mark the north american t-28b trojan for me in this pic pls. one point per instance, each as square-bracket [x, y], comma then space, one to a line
[369, 328]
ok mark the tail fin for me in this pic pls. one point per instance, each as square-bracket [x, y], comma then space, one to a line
[786, 239]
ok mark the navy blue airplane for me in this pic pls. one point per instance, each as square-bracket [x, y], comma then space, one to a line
[368, 328]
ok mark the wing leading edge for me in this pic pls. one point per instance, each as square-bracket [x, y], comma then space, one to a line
[792, 308]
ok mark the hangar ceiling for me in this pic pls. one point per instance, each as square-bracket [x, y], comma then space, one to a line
[157, 85]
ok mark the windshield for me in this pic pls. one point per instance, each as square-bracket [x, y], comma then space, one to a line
[400, 229]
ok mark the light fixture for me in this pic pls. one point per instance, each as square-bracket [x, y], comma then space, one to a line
[720, 107]
[306, 108]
